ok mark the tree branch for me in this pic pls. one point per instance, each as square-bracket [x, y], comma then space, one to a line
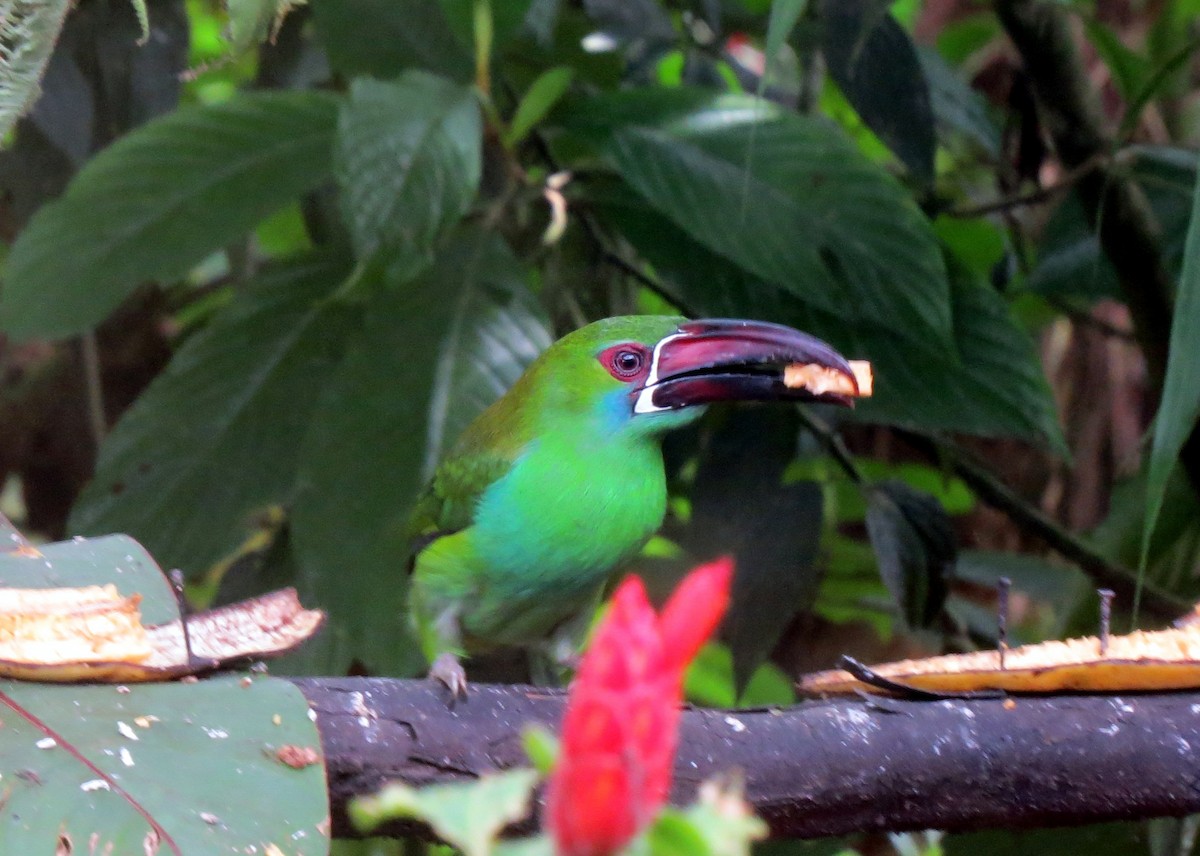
[1115, 205]
[820, 768]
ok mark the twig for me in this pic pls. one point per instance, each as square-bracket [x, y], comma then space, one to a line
[1032, 197]
[833, 443]
[992, 490]
[93, 383]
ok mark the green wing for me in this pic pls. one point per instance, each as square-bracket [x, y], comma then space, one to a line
[448, 501]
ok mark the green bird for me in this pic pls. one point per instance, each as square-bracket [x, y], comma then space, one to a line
[560, 482]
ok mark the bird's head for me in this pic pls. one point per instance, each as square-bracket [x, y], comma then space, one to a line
[654, 373]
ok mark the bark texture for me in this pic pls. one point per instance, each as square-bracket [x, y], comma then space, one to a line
[819, 768]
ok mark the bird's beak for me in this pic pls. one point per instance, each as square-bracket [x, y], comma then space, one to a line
[731, 360]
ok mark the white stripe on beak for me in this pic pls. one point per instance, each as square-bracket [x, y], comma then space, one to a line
[645, 402]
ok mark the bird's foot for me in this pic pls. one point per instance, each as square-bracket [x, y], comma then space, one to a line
[448, 671]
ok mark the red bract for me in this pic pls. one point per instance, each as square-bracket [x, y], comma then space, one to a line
[619, 731]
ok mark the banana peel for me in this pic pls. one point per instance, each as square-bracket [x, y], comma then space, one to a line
[1143, 660]
[93, 633]
[819, 379]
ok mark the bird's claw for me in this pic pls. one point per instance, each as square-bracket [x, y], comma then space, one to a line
[448, 671]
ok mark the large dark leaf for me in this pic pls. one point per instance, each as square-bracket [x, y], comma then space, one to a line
[875, 64]
[157, 201]
[215, 437]
[407, 160]
[384, 37]
[996, 388]
[786, 198]
[741, 506]
[916, 548]
[432, 355]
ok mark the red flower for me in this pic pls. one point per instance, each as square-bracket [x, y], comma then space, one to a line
[619, 731]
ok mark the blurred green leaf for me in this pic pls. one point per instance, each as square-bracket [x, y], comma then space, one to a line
[201, 762]
[1099, 839]
[407, 161]
[1180, 407]
[719, 823]
[158, 200]
[1129, 70]
[431, 356]
[958, 108]
[538, 100]
[220, 428]
[542, 747]
[852, 589]
[384, 37]
[876, 66]
[786, 198]
[468, 815]
[960, 38]
[709, 682]
[916, 548]
[783, 18]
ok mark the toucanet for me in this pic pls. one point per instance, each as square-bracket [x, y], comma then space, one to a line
[559, 483]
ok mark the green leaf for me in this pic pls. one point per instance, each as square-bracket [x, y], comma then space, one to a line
[431, 356]
[709, 682]
[1129, 70]
[384, 37]
[30, 31]
[996, 389]
[719, 823]
[807, 213]
[408, 164]
[199, 759]
[542, 748]
[875, 64]
[116, 559]
[158, 200]
[916, 547]
[541, 96]
[784, 15]
[956, 106]
[215, 437]
[1099, 839]
[469, 815]
[1180, 407]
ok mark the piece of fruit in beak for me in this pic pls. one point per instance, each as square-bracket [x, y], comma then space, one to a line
[820, 380]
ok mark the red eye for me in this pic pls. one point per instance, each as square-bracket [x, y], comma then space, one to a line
[626, 362]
